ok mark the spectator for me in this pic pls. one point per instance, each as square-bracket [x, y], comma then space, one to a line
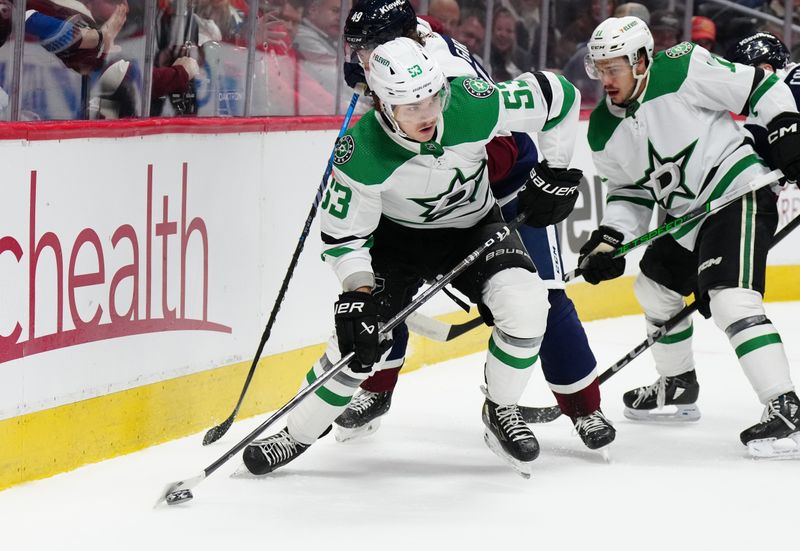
[704, 32]
[229, 19]
[448, 13]
[471, 33]
[316, 43]
[666, 29]
[505, 52]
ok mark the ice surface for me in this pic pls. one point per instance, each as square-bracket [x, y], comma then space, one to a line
[426, 480]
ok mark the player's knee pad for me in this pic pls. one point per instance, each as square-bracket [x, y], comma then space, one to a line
[735, 309]
[658, 302]
[517, 299]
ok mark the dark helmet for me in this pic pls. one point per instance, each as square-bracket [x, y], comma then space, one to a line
[373, 22]
[761, 48]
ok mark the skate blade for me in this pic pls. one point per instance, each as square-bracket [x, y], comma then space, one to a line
[688, 413]
[605, 453]
[242, 472]
[776, 448]
[521, 467]
[344, 435]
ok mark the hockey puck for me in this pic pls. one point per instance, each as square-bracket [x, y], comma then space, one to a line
[179, 496]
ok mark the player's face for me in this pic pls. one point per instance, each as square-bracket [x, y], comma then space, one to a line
[617, 78]
[418, 120]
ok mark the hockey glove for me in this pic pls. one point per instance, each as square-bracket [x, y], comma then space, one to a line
[596, 261]
[549, 194]
[354, 73]
[784, 139]
[356, 316]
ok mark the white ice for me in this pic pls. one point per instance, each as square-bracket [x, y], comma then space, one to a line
[426, 480]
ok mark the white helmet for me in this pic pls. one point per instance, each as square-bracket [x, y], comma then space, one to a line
[402, 72]
[618, 37]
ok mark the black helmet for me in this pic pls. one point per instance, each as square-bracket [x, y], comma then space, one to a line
[373, 22]
[761, 48]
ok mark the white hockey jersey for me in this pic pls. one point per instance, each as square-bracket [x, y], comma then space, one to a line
[442, 183]
[678, 145]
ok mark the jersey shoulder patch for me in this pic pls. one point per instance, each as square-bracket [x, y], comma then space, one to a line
[343, 151]
[366, 154]
[477, 87]
[679, 50]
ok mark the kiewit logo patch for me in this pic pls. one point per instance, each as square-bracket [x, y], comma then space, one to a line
[478, 88]
[344, 150]
[679, 50]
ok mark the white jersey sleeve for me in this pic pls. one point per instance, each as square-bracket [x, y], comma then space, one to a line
[544, 103]
[350, 214]
[719, 85]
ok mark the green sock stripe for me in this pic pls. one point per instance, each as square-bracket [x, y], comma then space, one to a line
[508, 359]
[757, 342]
[677, 337]
[326, 395]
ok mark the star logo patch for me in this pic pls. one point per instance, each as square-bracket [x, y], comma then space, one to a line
[462, 191]
[665, 178]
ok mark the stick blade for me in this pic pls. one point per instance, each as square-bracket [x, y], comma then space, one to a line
[540, 415]
[179, 492]
[215, 433]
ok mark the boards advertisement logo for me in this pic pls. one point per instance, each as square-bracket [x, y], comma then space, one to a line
[44, 261]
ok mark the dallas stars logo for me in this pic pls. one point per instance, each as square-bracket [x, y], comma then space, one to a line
[460, 192]
[665, 179]
[343, 150]
[478, 88]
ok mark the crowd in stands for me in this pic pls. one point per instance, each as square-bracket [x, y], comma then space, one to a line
[86, 58]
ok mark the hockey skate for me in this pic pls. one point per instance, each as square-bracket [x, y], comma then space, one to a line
[264, 456]
[509, 437]
[363, 416]
[669, 399]
[596, 431]
[778, 433]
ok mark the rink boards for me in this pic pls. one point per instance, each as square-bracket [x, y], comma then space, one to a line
[140, 262]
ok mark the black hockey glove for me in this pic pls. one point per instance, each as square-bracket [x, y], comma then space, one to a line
[549, 194]
[356, 316]
[596, 261]
[354, 74]
[784, 139]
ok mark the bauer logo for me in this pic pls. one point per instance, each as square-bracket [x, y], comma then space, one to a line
[344, 150]
[679, 50]
[478, 88]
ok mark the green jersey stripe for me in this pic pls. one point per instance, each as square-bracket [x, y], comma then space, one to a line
[677, 337]
[508, 359]
[768, 83]
[756, 343]
[740, 166]
[569, 100]
[326, 395]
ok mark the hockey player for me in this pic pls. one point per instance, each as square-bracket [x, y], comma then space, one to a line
[663, 135]
[567, 360]
[767, 52]
[409, 199]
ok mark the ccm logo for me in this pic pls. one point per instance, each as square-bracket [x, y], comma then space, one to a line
[781, 132]
[347, 307]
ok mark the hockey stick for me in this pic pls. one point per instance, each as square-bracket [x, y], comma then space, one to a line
[437, 330]
[692, 215]
[177, 492]
[215, 433]
[550, 413]
[443, 331]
